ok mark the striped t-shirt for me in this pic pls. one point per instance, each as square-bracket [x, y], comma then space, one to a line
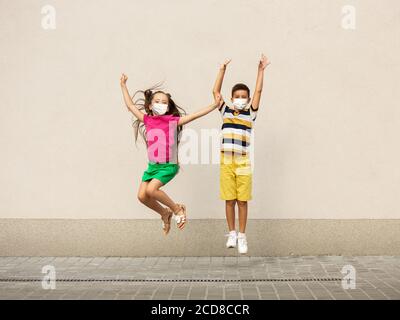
[236, 129]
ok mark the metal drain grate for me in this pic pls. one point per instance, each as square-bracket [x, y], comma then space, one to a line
[175, 280]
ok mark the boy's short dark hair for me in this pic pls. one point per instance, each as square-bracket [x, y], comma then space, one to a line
[240, 86]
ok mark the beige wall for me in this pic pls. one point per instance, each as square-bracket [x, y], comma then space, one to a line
[326, 138]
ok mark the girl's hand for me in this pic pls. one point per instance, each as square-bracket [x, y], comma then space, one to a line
[123, 79]
[227, 61]
[264, 62]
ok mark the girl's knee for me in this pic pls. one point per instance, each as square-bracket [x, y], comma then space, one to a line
[142, 197]
[151, 191]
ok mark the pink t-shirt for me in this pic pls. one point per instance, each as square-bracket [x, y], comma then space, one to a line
[161, 135]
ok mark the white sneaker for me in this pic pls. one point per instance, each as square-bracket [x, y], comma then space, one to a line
[242, 243]
[232, 240]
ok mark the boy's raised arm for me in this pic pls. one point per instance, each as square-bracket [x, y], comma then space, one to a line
[220, 78]
[259, 83]
[128, 100]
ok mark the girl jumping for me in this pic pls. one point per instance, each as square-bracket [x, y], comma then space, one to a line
[159, 120]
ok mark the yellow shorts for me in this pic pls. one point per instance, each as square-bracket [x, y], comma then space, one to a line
[235, 177]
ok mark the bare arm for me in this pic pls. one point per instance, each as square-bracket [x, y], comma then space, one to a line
[128, 100]
[259, 83]
[220, 78]
[190, 117]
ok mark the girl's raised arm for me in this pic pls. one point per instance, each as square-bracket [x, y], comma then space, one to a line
[128, 100]
[190, 117]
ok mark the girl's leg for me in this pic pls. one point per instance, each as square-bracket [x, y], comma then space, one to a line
[242, 215]
[153, 204]
[230, 213]
[154, 192]
[148, 201]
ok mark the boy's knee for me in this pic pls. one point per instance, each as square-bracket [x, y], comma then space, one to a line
[242, 203]
[230, 203]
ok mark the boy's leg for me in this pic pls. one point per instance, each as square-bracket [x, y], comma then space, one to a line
[242, 205]
[230, 214]
[244, 190]
[228, 190]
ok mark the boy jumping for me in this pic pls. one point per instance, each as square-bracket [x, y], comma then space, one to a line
[235, 165]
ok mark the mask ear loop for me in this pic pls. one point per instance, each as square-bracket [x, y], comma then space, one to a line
[151, 109]
[248, 105]
[169, 98]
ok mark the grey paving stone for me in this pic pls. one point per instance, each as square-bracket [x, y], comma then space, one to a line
[377, 277]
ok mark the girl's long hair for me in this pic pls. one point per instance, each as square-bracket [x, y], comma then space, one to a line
[143, 103]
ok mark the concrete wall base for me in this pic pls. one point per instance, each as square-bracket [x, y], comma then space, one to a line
[136, 238]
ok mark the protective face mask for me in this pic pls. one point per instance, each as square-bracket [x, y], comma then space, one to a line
[240, 104]
[159, 108]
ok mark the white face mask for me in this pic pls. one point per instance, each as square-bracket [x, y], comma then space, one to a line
[240, 104]
[159, 108]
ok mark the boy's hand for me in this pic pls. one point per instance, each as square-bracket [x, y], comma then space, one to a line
[123, 80]
[227, 61]
[264, 62]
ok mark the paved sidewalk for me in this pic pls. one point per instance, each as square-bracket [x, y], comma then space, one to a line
[215, 278]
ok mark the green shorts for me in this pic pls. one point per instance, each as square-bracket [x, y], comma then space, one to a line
[160, 171]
